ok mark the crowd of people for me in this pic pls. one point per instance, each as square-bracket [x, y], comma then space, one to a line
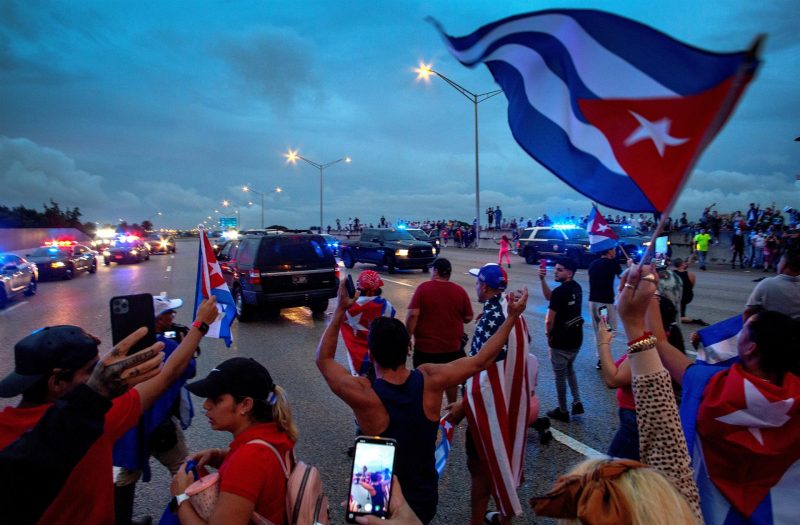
[80, 414]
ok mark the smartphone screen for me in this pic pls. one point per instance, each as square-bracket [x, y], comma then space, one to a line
[129, 313]
[543, 264]
[351, 288]
[371, 481]
[603, 311]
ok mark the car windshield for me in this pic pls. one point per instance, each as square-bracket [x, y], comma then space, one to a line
[624, 231]
[397, 235]
[576, 233]
[50, 252]
[418, 234]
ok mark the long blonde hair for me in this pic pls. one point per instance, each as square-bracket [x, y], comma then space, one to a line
[282, 414]
[651, 497]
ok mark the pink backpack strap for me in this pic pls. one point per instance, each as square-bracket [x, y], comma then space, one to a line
[275, 451]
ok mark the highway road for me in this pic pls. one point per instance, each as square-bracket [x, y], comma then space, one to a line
[286, 346]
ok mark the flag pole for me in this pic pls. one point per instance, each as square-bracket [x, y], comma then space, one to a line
[724, 111]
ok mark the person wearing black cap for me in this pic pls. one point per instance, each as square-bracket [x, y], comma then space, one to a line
[564, 330]
[54, 361]
[35, 466]
[241, 398]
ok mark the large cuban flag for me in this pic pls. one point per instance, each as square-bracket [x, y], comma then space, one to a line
[743, 435]
[616, 109]
[601, 237]
[210, 282]
[355, 330]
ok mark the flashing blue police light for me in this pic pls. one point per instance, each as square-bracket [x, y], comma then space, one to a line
[402, 226]
[565, 226]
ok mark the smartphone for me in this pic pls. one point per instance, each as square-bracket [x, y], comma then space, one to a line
[351, 288]
[371, 480]
[603, 312]
[128, 314]
[543, 264]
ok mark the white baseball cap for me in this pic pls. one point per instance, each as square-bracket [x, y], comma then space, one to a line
[162, 303]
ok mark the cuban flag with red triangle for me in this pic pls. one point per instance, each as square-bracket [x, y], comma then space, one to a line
[743, 435]
[210, 282]
[616, 109]
[601, 237]
[355, 329]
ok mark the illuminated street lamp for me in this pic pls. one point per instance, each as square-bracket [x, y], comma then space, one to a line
[424, 73]
[246, 189]
[292, 156]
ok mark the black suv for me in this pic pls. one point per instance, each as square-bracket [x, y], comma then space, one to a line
[390, 247]
[278, 270]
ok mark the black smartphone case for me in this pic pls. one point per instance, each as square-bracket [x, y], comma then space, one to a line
[128, 314]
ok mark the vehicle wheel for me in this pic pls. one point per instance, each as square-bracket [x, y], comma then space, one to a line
[106, 262]
[244, 311]
[319, 307]
[390, 265]
[530, 257]
[31, 290]
[69, 273]
[93, 267]
[3, 299]
[347, 260]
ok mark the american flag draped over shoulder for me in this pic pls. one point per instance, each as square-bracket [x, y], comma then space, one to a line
[614, 108]
[497, 409]
[355, 329]
[210, 282]
[744, 440]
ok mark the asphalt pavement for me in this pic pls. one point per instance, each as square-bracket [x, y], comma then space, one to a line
[286, 346]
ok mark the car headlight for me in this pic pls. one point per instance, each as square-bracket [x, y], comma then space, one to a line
[435, 251]
[646, 243]
[162, 244]
[57, 264]
[402, 253]
[106, 253]
[134, 252]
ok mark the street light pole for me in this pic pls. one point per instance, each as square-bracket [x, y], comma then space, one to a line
[424, 72]
[248, 188]
[293, 157]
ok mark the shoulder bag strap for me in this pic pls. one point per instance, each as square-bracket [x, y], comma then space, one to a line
[275, 451]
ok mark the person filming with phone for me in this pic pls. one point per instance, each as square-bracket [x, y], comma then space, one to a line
[49, 364]
[405, 404]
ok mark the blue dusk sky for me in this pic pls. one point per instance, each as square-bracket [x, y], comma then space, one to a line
[127, 109]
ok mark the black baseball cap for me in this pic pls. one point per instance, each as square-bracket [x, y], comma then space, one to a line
[35, 356]
[239, 376]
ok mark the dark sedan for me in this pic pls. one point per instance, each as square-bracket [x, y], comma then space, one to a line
[132, 251]
[17, 277]
[63, 261]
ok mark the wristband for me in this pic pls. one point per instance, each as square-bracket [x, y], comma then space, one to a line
[644, 336]
[176, 501]
[642, 345]
[200, 325]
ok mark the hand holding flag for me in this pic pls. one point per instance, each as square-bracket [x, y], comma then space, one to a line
[211, 284]
[601, 237]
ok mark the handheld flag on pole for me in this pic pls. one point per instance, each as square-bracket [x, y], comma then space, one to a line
[355, 329]
[601, 237]
[614, 108]
[210, 282]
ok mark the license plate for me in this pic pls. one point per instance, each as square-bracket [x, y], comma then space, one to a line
[299, 279]
[118, 256]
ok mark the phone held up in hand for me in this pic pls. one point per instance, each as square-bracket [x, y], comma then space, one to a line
[543, 264]
[371, 481]
[351, 288]
[128, 314]
[603, 312]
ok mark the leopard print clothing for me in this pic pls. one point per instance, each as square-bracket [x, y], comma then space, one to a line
[661, 441]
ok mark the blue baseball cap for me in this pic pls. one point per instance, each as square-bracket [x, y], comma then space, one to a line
[492, 275]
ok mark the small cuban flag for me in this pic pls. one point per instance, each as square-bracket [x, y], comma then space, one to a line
[601, 237]
[442, 451]
[210, 282]
[720, 340]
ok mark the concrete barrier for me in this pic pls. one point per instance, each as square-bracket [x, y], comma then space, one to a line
[16, 239]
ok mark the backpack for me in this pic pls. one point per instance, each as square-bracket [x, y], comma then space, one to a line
[305, 502]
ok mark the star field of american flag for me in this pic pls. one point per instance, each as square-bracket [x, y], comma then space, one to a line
[488, 324]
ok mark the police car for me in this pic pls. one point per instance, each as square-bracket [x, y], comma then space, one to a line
[63, 259]
[553, 242]
[17, 277]
[127, 248]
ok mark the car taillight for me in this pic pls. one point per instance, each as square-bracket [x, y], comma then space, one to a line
[338, 272]
[255, 276]
[518, 245]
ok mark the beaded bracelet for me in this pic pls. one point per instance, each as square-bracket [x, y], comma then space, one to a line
[642, 338]
[642, 344]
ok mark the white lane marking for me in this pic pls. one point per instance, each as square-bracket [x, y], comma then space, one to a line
[169, 268]
[15, 306]
[576, 445]
[398, 282]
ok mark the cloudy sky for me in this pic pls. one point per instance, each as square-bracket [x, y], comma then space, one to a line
[128, 109]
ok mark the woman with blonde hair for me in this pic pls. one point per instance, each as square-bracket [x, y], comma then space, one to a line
[241, 398]
[661, 490]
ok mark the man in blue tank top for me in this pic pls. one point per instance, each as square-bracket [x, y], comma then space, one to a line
[405, 404]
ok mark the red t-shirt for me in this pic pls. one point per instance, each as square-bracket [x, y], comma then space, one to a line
[88, 494]
[442, 307]
[625, 393]
[254, 473]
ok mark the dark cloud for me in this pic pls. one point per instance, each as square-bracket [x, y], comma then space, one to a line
[274, 64]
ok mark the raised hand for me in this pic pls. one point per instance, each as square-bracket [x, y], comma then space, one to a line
[208, 312]
[517, 302]
[116, 372]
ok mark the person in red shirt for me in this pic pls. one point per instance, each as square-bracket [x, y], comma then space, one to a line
[48, 367]
[435, 320]
[242, 399]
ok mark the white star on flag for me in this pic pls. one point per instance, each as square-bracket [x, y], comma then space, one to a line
[213, 269]
[759, 412]
[355, 322]
[657, 131]
[602, 227]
